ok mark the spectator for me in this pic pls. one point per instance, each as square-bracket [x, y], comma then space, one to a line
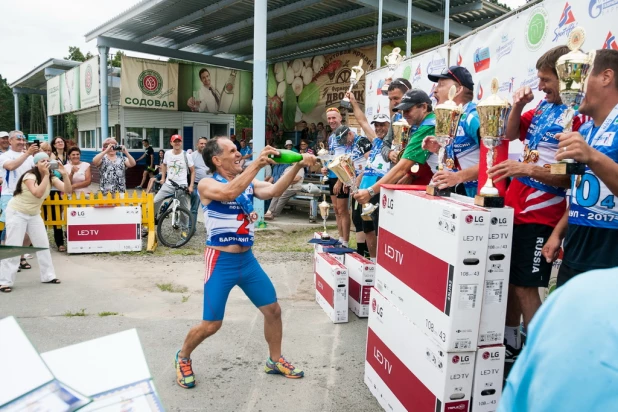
[54, 194]
[176, 168]
[78, 171]
[4, 142]
[277, 204]
[112, 167]
[304, 147]
[59, 150]
[201, 172]
[24, 216]
[153, 186]
[150, 162]
[246, 151]
[313, 132]
[290, 146]
[236, 142]
[304, 130]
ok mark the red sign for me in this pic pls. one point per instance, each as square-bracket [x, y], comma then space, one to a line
[85, 233]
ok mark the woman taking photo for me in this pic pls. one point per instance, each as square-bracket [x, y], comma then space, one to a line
[78, 171]
[23, 215]
[59, 150]
[55, 194]
[113, 166]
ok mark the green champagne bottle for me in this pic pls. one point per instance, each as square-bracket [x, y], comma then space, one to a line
[286, 156]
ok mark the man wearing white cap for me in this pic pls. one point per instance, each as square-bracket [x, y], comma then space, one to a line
[4, 142]
[290, 146]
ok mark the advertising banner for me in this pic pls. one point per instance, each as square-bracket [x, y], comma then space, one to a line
[214, 89]
[89, 83]
[69, 90]
[149, 84]
[302, 89]
[53, 96]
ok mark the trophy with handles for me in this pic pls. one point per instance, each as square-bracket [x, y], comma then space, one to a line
[324, 211]
[573, 69]
[401, 131]
[343, 167]
[392, 60]
[356, 72]
[448, 115]
[493, 114]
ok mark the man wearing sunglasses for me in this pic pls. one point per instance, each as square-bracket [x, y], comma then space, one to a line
[396, 90]
[462, 156]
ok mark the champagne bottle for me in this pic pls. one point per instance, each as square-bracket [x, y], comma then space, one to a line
[287, 156]
[227, 96]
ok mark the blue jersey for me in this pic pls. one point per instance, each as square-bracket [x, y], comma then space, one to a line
[592, 203]
[464, 152]
[247, 150]
[337, 149]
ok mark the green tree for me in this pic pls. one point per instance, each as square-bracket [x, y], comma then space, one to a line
[117, 58]
[7, 110]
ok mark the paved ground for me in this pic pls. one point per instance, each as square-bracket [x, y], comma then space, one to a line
[228, 366]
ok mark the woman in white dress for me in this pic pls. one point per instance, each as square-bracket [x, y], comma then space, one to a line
[78, 171]
[208, 97]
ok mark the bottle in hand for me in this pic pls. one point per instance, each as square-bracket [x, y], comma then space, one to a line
[287, 156]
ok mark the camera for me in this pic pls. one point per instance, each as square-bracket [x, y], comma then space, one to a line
[118, 147]
[53, 165]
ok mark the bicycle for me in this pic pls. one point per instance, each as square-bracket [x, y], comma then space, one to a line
[175, 225]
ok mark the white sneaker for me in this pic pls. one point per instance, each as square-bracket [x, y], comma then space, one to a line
[28, 256]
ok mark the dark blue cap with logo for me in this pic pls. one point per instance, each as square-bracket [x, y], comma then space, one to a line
[457, 73]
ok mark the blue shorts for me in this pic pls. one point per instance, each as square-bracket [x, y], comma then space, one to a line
[224, 271]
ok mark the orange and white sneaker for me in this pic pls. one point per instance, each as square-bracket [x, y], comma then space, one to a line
[283, 367]
[184, 372]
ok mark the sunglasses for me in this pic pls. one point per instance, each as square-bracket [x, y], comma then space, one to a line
[332, 109]
[447, 72]
[20, 136]
[400, 83]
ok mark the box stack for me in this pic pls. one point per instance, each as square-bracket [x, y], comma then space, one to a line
[426, 308]
[362, 274]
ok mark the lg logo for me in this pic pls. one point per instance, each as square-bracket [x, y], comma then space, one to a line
[78, 213]
[496, 221]
[462, 359]
[387, 203]
[376, 308]
[474, 219]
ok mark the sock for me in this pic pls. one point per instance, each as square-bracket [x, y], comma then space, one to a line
[372, 259]
[512, 336]
[344, 243]
[361, 248]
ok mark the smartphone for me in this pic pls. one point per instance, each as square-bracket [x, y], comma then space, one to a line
[37, 143]
[118, 147]
[53, 165]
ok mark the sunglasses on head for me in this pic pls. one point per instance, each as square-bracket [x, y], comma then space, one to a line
[332, 109]
[400, 83]
[447, 72]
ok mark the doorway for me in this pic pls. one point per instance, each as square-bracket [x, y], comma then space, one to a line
[219, 129]
[200, 130]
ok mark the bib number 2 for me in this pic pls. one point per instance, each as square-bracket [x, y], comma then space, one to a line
[243, 229]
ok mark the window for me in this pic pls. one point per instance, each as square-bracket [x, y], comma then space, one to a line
[158, 138]
[167, 134]
[88, 139]
[219, 129]
[154, 137]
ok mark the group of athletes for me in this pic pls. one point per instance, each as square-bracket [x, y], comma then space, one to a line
[587, 223]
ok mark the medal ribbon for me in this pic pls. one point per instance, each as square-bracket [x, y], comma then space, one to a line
[243, 200]
[608, 121]
[450, 149]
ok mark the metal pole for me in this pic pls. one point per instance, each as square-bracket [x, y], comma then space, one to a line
[16, 103]
[103, 51]
[447, 12]
[409, 31]
[259, 90]
[379, 51]
[50, 128]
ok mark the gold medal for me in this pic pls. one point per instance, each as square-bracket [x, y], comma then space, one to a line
[526, 154]
[534, 156]
[253, 216]
[450, 164]
[578, 180]
[415, 168]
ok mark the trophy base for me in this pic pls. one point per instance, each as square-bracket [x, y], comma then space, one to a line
[434, 191]
[325, 236]
[346, 104]
[489, 201]
[368, 209]
[564, 168]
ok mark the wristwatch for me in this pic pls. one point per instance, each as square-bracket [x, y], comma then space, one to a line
[371, 192]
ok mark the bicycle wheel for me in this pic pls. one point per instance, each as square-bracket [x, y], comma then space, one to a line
[180, 232]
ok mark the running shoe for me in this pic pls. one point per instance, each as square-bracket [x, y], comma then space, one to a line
[184, 372]
[511, 353]
[283, 367]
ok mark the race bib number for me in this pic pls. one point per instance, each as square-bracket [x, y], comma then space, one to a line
[592, 203]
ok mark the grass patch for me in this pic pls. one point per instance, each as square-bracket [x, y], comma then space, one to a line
[170, 287]
[102, 314]
[183, 252]
[81, 312]
[185, 298]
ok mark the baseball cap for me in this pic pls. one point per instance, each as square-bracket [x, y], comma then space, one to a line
[412, 98]
[289, 142]
[251, 141]
[4, 134]
[381, 118]
[458, 73]
[175, 137]
[340, 132]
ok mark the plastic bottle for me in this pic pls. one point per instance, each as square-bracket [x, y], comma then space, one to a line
[287, 156]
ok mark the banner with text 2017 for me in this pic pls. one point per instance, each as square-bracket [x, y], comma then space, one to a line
[149, 84]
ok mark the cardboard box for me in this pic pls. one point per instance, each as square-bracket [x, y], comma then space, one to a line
[495, 291]
[406, 371]
[362, 275]
[488, 379]
[431, 264]
[331, 287]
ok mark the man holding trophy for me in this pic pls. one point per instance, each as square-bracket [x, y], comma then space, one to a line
[590, 226]
[396, 89]
[536, 195]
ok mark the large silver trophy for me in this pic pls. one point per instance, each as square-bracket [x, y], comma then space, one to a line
[448, 115]
[401, 131]
[325, 158]
[493, 114]
[324, 211]
[356, 72]
[392, 60]
[343, 167]
[573, 70]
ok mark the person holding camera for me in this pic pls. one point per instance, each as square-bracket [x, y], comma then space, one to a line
[112, 167]
[24, 217]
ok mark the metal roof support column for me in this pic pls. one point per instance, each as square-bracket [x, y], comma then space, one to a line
[50, 128]
[16, 103]
[259, 90]
[103, 51]
[379, 51]
[409, 31]
[447, 17]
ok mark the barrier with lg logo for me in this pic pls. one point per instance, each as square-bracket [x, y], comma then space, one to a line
[106, 229]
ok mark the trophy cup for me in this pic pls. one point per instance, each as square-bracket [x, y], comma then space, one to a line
[447, 121]
[401, 129]
[325, 157]
[573, 69]
[343, 167]
[324, 210]
[493, 114]
[393, 60]
[356, 72]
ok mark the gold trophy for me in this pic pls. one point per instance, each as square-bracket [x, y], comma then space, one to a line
[401, 129]
[343, 167]
[325, 157]
[356, 72]
[573, 70]
[493, 114]
[393, 60]
[447, 121]
[324, 211]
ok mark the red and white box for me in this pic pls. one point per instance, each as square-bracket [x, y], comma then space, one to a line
[431, 264]
[495, 291]
[488, 379]
[331, 287]
[362, 275]
[406, 371]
